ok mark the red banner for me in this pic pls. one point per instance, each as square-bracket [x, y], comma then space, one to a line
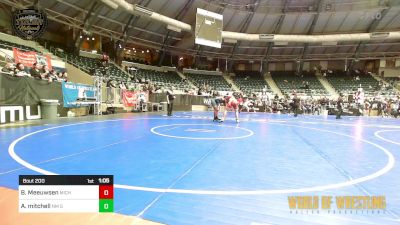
[128, 98]
[29, 58]
[131, 98]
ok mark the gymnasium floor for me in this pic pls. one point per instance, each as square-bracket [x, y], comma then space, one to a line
[186, 169]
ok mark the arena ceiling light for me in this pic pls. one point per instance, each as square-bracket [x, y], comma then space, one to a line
[329, 43]
[397, 63]
[281, 43]
[232, 41]
[176, 29]
[266, 36]
[142, 10]
[328, 7]
[394, 35]
[379, 35]
[110, 4]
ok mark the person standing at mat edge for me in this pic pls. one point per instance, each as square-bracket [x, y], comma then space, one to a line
[339, 105]
[296, 104]
[170, 101]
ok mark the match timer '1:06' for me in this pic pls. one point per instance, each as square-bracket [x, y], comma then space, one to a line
[104, 180]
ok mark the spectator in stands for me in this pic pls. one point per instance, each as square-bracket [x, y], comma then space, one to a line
[142, 102]
[387, 108]
[110, 93]
[51, 76]
[170, 101]
[44, 71]
[265, 101]
[19, 70]
[122, 86]
[247, 105]
[36, 71]
[368, 106]
[64, 76]
[59, 77]
[104, 60]
[158, 90]
[396, 108]
[110, 84]
[8, 68]
[316, 107]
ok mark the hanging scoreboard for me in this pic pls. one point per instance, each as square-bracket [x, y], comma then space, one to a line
[66, 193]
[208, 30]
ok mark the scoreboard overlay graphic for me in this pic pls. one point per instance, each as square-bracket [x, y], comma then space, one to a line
[66, 193]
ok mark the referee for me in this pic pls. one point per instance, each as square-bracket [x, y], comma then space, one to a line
[339, 105]
[296, 104]
[170, 101]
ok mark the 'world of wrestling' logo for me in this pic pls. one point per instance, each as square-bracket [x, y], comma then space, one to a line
[29, 23]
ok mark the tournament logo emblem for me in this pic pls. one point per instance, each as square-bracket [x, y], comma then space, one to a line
[29, 23]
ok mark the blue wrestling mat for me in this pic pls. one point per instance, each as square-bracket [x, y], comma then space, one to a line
[187, 169]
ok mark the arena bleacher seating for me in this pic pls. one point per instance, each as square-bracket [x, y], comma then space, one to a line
[164, 80]
[216, 82]
[250, 82]
[390, 89]
[90, 65]
[135, 60]
[247, 81]
[348, 84]
[288, 82]
[9, 46]
[392, 79]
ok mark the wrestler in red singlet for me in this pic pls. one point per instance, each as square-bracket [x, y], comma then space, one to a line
[231, 103]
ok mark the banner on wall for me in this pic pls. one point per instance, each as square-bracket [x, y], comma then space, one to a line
[29, 58]
[73, 92]
[131, 98]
